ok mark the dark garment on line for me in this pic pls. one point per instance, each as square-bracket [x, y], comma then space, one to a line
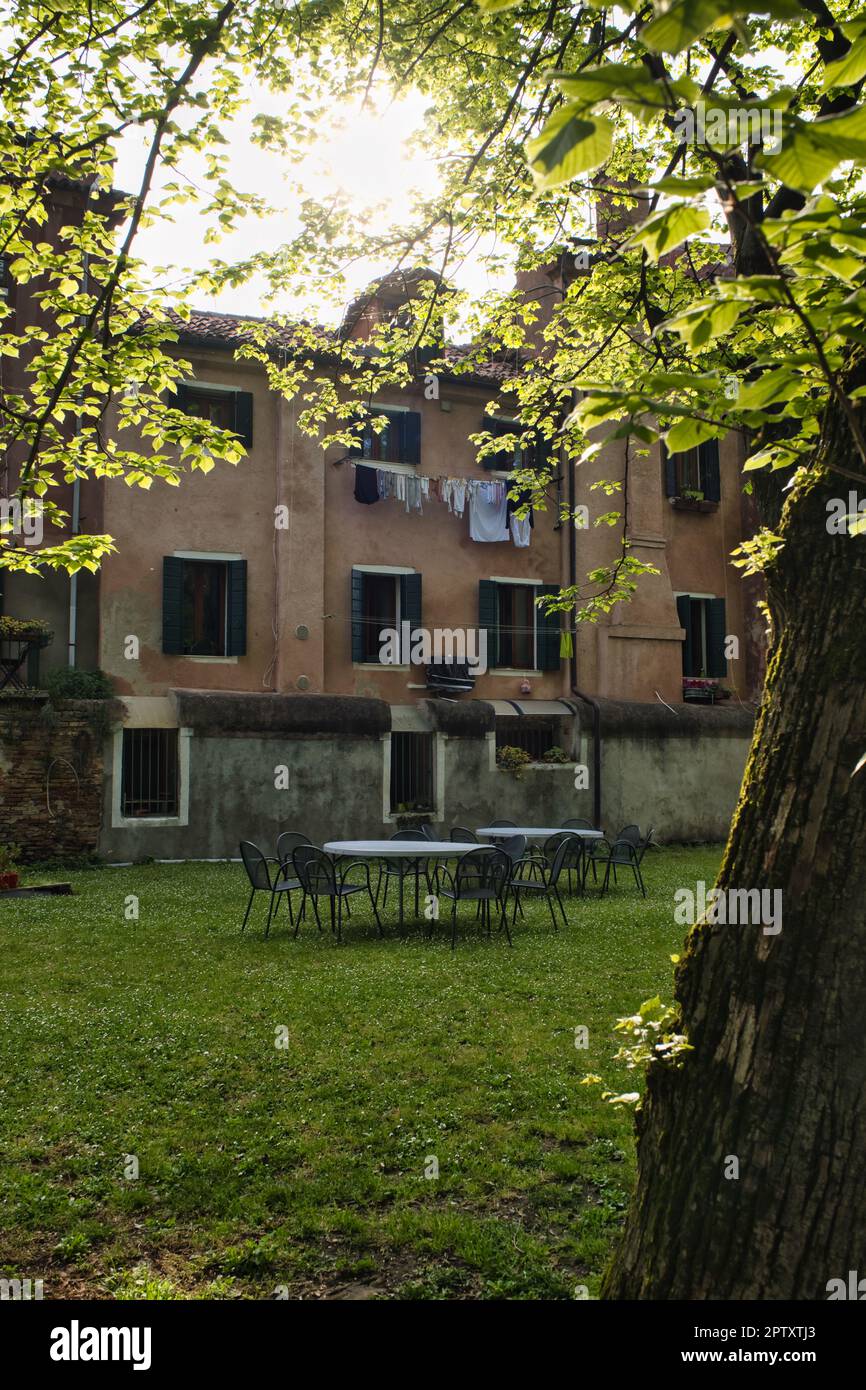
[366, 487]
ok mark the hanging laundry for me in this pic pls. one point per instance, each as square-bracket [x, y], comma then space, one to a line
[366, 484]
[488, 505]
[566, 646]
[521, 530]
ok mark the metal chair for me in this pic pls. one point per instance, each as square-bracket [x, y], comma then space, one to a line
[481, 877]
[258, 870]
[503, 825]
[401, 868]
[287, 843]
[548, 884]
[321, 878]
[577, 824]
[461, 835]
[427, 831]
[625, 855]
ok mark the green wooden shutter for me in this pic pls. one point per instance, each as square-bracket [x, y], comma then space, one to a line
[488, 618]
[410, 436]
[244, 417]
[671, 489]
[236, 600]
[547, 631]
[181, 401]
[684, 613]
[357, 615]
[410, 600]
[717, 664]
[708, 459]
[172, 605]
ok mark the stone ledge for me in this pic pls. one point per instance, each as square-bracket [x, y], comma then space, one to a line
[299, 716]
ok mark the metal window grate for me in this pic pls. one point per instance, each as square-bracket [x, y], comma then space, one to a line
[150, 776]
[533, 736]
[412, 772]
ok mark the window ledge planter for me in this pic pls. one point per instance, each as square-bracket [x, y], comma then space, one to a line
[704, 689]
[693, 504]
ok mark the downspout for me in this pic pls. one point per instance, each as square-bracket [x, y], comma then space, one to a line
[593, 704]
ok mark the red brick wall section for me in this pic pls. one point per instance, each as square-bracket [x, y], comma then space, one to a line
[51, 775]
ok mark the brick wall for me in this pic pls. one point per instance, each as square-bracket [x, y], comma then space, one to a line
[51, 775]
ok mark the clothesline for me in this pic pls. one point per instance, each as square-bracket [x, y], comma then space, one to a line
[491, 509]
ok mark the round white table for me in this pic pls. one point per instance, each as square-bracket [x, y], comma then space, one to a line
[412, 851]
[535, 832]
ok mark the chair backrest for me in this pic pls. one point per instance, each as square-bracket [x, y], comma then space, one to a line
[485, 867]
[645, 843]
[288, 842]
[408, 835]
[577, 825]
[624, 852]
[552, 843]
[515, 848]
[461, 835]
[630, 833]
[255, 864]
[427, 831]
[563, 857]
[315, 869]
[503, 825]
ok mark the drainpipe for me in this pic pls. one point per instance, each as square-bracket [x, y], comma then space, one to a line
[594, 705]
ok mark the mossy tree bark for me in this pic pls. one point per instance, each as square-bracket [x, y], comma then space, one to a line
[777, 1077]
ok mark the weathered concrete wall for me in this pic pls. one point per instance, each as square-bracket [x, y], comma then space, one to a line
[51, 776]
[679, 772]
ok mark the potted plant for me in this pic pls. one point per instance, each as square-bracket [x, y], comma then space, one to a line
[9, 877]
[511, 759]
[555, 755]
[25, 630]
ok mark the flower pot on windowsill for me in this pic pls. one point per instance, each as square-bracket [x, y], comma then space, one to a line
[693, 504]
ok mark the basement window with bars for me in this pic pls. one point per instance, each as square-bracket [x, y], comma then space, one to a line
[150, 781]
[411, 772]
[535, 736]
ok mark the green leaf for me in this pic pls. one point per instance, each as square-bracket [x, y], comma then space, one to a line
[677, 27]
[663, 231]
[702, 323]
[848, 69]
[685, 434]
[568, 145]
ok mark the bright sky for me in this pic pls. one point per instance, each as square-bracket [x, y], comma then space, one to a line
[366, 156]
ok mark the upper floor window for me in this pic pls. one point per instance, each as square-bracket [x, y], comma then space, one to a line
[694, 473]
[398, 442]
[704, 645]
[381, 602]
[204, 606]
[510, 457]
[520, 635]
[222, 406]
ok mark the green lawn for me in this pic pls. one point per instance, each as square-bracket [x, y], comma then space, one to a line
[304, 1166]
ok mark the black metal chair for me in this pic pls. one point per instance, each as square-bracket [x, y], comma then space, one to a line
[402, 868]
[548, 884]
[481, 877]
[461, 835]
[287, 843]
[577, 824]
[258, 870]
[427, 831]
[321, 878]
[503, 825]
[624, 854]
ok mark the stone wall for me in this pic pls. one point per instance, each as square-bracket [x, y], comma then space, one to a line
[51, 775]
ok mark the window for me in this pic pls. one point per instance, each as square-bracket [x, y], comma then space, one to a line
[704, 643]
[534, 736]
[412, 772]
[226, 408]
[536, 455]
[398, 442]
[520, 635]
[204, 606]
[695, 472]
[149, 773]
[381, 601]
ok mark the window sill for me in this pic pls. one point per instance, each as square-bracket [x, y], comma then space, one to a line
[693, 504]
[513, 671]
[378, 666]
[148, 822]
[211, 660]
[540, 767]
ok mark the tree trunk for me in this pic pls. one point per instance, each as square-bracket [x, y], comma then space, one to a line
[777, 1078]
